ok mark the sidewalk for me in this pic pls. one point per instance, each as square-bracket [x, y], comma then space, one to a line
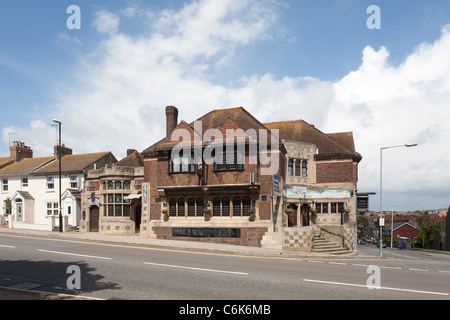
[193, 246]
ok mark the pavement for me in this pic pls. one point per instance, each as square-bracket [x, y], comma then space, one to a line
[195, 246]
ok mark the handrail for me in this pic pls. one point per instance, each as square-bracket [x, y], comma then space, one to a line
[335, 234]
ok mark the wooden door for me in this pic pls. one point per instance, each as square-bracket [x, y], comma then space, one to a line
[93, 219]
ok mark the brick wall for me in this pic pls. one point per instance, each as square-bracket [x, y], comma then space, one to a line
[336, 172]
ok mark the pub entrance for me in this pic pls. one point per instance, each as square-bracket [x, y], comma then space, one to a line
[94, 214]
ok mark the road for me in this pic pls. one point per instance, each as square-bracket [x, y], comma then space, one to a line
[136, 273]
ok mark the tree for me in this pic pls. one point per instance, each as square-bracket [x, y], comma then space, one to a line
[429, 229]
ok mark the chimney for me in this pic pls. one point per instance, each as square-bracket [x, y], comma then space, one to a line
[20, 151]
[130, 151]
[64, 151]
[171, 119]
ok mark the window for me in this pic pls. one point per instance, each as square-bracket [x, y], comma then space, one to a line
[4, 184]
[50, 183]
[291, 167]
[52, 209]
[216, 207]
[116, 206]
[304, 168]
[246, 203]
[191, 207]
[236, 207]
[180, 210]
[126, 185]
[181, 162]
[230, 158]
[200, 207]
[172, 207]
[297, 168]
[110, 185]
[118, 185]
[226, 207]
[24, 182]
[73, 182]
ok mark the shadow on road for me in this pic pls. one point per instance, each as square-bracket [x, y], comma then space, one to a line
[48, 280]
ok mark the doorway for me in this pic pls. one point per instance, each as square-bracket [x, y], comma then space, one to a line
[93, 218]
[19, 210]
[304, 214]
[137, 221]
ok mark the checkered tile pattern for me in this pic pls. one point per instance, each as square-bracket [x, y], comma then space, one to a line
[298, 238]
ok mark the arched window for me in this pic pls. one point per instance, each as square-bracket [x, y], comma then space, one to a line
[200, 207]
[110, 185]
[216, 207]
[126, 185]
[236, 206]
[191, 207]
[226, 207]
[118, 185]
[180, 212]
[172, 207]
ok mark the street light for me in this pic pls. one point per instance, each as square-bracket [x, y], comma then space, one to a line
[59, 158]
[381, 189]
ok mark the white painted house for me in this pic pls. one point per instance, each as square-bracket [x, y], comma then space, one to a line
[30, 188]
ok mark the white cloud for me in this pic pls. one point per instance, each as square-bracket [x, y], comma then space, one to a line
[117, 98]
[106, 22]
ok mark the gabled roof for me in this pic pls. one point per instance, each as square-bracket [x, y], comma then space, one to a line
[72, 163]
[25, 167]
[134, 160]
[300, 130]
[220, 119]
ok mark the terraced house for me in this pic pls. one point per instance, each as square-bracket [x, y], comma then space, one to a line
[30, 187]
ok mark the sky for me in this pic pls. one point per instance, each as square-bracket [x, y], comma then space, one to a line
[110, 80]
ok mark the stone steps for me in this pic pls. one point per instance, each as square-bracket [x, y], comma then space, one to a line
[322, 245]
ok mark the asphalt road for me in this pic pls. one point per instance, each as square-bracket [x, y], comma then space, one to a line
[32, 265]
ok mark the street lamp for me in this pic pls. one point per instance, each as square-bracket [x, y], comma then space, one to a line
[381, 189]
[59, 158]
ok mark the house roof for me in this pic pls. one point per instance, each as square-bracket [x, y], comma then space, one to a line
[134, 160]
[300, 130]
[219, 119]
[5, 161]
[72, 163]
[26, 166]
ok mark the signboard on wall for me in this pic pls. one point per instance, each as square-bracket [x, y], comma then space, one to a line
[277, 186]
[304, 193]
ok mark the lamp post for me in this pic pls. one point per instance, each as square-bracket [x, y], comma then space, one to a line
[59, 159]
[381, 190]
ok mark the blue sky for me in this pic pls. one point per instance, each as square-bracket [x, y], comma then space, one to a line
[314, 60]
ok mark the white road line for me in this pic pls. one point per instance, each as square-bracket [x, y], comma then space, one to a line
[413, 269]
[5, 246]
[383, 288]
[197, 269]
[315, 261]
[394, 268]
[74, 254]
[338, 263]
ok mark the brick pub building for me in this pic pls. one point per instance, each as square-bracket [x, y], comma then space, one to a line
[229, 178]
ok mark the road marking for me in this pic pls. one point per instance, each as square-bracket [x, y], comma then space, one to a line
[383, 288]
[192, 268]
[413, 269]
[4, 246]
[394, 268]
[338, 263]
[315, 261]
[74, 254]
